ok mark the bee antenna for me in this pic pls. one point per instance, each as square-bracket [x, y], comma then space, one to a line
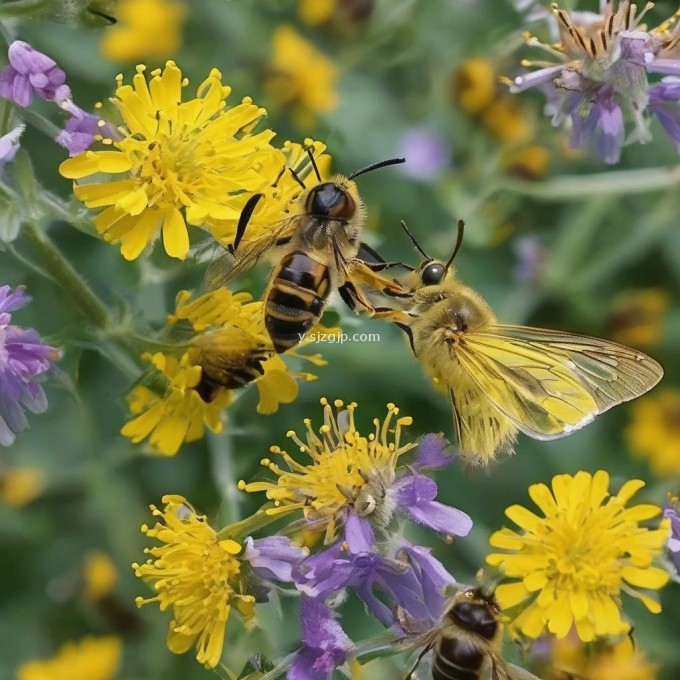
[310, 153]
[296, 177]
[459, 243]
[377, 166]
[107, 17]
[413, 240]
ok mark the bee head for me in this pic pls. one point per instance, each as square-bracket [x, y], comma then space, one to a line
[330, 199]
[432, 273]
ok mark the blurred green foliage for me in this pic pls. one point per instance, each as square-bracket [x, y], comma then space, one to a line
[397, 67]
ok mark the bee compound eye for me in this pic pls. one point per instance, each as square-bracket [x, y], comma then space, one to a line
[432, 274]
[330, 200]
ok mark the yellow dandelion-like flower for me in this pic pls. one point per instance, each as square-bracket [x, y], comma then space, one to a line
[146, 29]
[527, 162]
[21, 485]
[100, 576]
[636, 318]
[622, 660]
[654, 431]
[301, 76]
[195, 574]
[573, 563]
[229, 349]
[176, 163]
[346, 469]
[475, 85]
[177, 414]
[89, 659]
[280, 198]
[315, 12]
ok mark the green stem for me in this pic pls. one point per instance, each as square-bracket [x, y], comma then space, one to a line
[617, 182]
[61, 270]
[41, 123]
[20, 8]
[661, 220]
[6, 118]
[247, 526]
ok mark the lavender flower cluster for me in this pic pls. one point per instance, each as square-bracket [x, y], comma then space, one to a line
[602, 79]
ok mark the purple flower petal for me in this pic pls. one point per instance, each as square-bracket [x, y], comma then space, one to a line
[415, 498]
[31, 72]
[433, 577]
[23, 358]
[273, 558]
[325, 646]
[427, 155]
[432, 453]
[358, 534]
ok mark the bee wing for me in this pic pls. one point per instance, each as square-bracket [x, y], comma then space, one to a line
[550, 383]
[228, 265]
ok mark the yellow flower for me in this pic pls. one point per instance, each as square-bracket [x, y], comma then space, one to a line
[654, 431]
[146, 29]
[100, 576]
[527, 162]
[280, 198]
[622, 660]
[21, 485]
[315, 12]
[89, 659]
[573, 563]
[231, 348]
[475, 85]
[637, 316]
[178, 163]
[178, 414]
[301, 76]
[346, 469]
[197, 575]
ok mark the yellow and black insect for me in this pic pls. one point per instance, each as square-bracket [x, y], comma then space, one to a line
[468, 642]
[316, 251]
[502, 378]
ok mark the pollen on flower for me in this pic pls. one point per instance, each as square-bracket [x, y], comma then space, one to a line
[178, 164]
[196, 574]
[570, 566]
[347, 469]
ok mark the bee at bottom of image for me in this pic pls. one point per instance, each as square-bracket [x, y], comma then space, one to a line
[467, 644]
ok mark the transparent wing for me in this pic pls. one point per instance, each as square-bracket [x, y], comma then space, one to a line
[226, 266]
[550, 383]
[518, 673]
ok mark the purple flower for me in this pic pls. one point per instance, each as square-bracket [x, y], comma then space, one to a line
[81, 129]
[664, 103]
[432, 453]
[325, 646]
[530, 256]
[9, 145]
[402, 582]
[273, 558]
[671, 512]
[415, 496]
[602, 82]
[23, 357]
[29, 72]
[433, 577]
[427, 155]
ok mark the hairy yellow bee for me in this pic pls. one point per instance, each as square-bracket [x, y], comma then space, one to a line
[502, 378]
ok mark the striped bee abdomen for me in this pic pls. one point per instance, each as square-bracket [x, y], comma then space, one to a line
[456, 659]
[297, 297]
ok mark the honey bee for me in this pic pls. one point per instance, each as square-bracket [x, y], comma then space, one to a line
[316, 251]
[468, 642]
[503, 378]
[229, 358]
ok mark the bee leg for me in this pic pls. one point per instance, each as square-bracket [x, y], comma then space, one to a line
[383, 266]
[409, 334]
[352, 297]
[244, 218]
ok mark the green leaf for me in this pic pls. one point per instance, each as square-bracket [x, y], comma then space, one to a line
[257, 665]
[11, 218]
